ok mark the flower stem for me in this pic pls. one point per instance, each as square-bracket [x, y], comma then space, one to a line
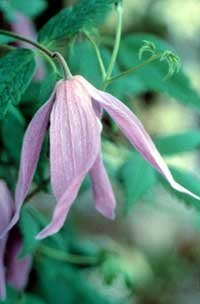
[22, 38]
[67, 257]
[134, 69]
[66, 71]
[100, 60]
[117, 41]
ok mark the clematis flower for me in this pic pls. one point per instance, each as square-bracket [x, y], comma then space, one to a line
[13, 271]
[74, 111]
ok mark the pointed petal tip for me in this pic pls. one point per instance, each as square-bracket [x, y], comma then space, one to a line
[47, 231]
[108, 213]
[13, 221]
[182, 189]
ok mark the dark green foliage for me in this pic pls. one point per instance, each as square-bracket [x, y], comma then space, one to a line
[13, 128]
[16, 71]
[84, 15]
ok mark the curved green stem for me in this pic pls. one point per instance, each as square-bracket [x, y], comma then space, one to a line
[67, 257]
[98, 54]
[117, 41]
[133, 69]
[66, 71]
[58, 56]
[22, 38]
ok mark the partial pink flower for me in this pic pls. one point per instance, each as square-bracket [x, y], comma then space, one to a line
[74, 111]
[13, 270]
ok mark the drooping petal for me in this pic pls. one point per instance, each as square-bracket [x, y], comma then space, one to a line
[135, 132]
[62, 209]
[74, 135]
[6, 205]
[104, 198]
[74, 144]
[98, 109]
[17, 269]
[6, 210]
[2, 270]
[31, 148]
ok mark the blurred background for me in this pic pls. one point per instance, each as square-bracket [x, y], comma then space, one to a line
[151, 253]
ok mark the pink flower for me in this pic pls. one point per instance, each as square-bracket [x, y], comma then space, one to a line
[74, 111]
[13, 270]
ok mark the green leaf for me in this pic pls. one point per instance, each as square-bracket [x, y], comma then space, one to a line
[189, 181]
[30, 9]
[6, 39]
[150, 77]
[16, 72]
[5, 49]
[178, 143]
[13, 128]
[138, 177]
[71, 285]
[11, 297]
[32, 299]
[29, 228]
[84, 15]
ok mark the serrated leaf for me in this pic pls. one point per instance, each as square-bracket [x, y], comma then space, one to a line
[16, 72]
[150, 77]
[178, 143]
[84, 15]
[138, 177]
[189, 181]
[29, 228]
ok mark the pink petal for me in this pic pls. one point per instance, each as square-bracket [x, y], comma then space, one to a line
[2, 270]
[31, 148]
[74, 135]
[135, 132]
[97, 109]
[17, 269]
[74, 144]
[61, 209]
[6, 205]
[6, 210]
[102, 190]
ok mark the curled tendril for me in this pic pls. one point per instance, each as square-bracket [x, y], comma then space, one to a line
[168, 56]
[149, 47]
[173, 62]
